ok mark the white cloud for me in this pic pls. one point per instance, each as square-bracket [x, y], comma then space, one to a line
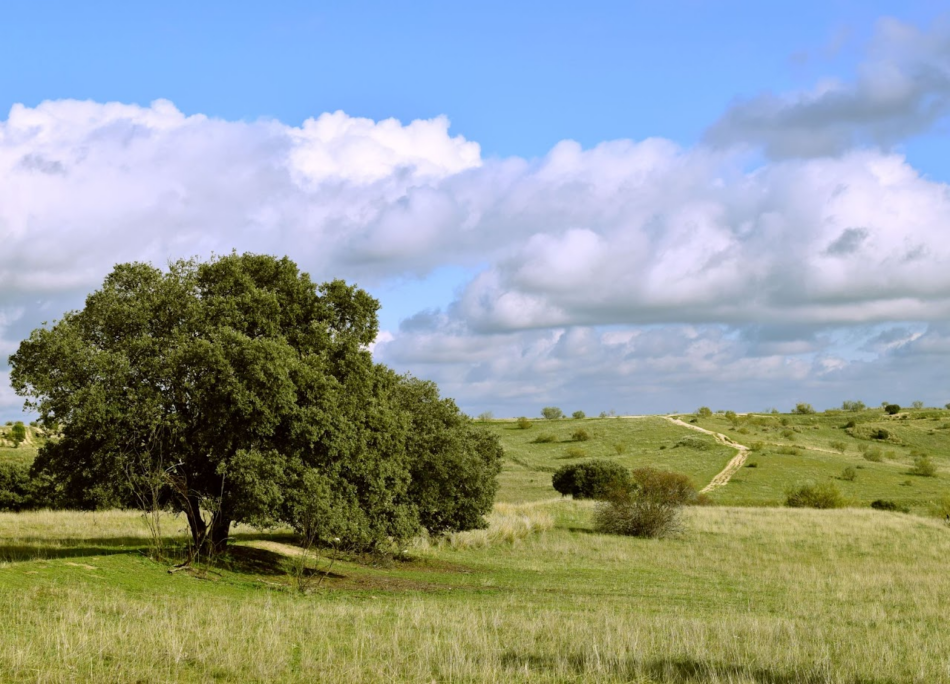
[901, 89]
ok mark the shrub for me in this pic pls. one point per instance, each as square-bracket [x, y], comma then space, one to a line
[578, 415]
[637, 517]
[575, 452]
[693, 443]
[788, 434]
[849, 474]
[924, 467]
[824, 495]
[892, 409]
[872, 454]
[552, 412]
[757, 446]
[918, 405]
[580, 435]
[732, 418]
[743, 431]
[523, 423]
[16, 489]
[803, 408]
[704, 412]
[839, 446]
[485, 416]
[879, 433]
[784, 421]
[751, 464]
[18, 433]
[788, 450]
[621, 448]
[596, 479]
[853, 406]
[665, 486]
[888, 505]
[546, 438]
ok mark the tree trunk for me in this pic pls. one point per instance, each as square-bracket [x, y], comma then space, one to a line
[220, 528]
[199, 528]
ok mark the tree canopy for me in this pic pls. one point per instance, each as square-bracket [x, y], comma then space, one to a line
[237, 390]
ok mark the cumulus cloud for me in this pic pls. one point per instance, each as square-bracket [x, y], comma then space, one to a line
[902, 89]
[631, 269]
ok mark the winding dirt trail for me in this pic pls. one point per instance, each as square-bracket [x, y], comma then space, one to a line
[732, 467]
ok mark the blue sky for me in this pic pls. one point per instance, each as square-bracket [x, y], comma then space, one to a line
[752, 215]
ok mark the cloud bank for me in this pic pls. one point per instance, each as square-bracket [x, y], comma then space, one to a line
[635, 275]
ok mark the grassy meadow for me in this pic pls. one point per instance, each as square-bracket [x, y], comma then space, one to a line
[750, 593]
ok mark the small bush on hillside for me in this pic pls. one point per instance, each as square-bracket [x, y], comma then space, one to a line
[578, 415]
[596, 479]
[888, 505]
[853, 406]
[918, 405]
[872, 454]
[803, 409]
[752, 464]
[546, 438]
[743, 431]
[880, 433]
[849, 474]
[575, 452]
[892, 409]
[757, 446]
[823, 495]
[788, 450]
[693, 443]
[665, 486]
[732, 418]
[784, 421]
[621, 448]
[636, 516]
[839, 446]
[924, 467]
[788, 434]
[580, 435]
[704, 412]
[485, 416]
[523, 423]
[552, 413]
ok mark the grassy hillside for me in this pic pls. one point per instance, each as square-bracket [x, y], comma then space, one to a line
[787, 450]
[26, 452]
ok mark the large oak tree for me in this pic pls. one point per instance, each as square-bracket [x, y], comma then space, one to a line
[237, 390]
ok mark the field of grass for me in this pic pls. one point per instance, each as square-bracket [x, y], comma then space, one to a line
[746, 595]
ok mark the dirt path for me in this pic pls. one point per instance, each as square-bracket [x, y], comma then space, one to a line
[732, 467]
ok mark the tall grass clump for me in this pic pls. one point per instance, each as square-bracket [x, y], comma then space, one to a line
[507, 524]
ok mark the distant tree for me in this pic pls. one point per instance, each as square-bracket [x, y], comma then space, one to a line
[918, 405]
[892, 409]
[578, 415]
[853, 406]
[803, 408]
[552, 412]
[18, 433]
[704, 412]
[596, 479]
[732, 418]
[485, 416]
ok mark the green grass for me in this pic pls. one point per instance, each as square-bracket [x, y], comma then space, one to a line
[746, 595]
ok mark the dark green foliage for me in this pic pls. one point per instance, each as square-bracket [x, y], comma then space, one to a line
[246, 392]
[454, 463]
[892, 409]
[552, 412]
[580, 435]
[16, 488]
[803, 408]
[578, 415]
[704, 412]
[591, 480]
[879, 433]
[822, 495]
[887, 505]
[546, 438]
[18, 433]
[523, 423]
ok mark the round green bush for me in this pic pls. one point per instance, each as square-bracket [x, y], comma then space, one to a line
[595, 479]
[824, 495]
[892, 409]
